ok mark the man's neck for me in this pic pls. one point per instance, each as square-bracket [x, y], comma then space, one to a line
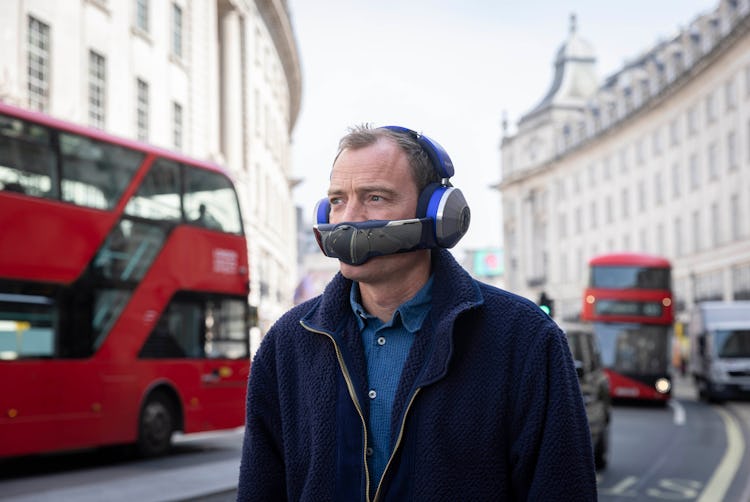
[383, 299]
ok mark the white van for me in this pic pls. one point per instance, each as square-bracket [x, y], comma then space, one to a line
[720, 349]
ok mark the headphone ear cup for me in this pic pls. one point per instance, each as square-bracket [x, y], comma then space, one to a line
[320, 214]
[451, 214]
[425, 200]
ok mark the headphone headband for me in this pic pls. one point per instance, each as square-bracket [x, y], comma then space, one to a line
[437, 154]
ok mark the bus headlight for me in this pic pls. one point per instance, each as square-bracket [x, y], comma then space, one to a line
[663, 385]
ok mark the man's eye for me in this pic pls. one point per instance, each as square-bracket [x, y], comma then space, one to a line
[334, 201]
[376, 198]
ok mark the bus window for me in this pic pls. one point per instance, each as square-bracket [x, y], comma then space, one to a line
[94, 174]
[129, 250]
[158, 197]
[27, 159]
[108, 305]
[196, 325]
[210, 201]
[227, 329]
[26, 326]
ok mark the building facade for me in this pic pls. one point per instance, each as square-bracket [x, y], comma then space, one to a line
[219, 80]
[654, 159]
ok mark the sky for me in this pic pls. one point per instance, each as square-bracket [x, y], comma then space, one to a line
[450, 69]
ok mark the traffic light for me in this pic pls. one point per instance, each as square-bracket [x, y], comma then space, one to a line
[547, 304]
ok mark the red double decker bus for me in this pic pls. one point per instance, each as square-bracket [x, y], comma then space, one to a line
[629, 301]
[123, 291]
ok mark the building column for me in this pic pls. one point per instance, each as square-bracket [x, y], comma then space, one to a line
[232, 128]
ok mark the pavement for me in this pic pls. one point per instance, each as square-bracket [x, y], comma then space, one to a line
[683, 387]
[172, 478]
[207, 482]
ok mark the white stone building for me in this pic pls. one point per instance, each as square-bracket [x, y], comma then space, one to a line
[655, 159]
[217, 79]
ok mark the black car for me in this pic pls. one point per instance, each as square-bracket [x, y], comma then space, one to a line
[594, 387]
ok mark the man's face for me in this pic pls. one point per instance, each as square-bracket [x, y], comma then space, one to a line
[373, 183]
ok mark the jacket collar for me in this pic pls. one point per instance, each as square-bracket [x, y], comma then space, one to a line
[454, 291]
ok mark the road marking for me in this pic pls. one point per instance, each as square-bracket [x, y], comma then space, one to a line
[679, 412]
[719, 483]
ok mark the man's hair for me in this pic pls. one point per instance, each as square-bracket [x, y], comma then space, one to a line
[363, 135]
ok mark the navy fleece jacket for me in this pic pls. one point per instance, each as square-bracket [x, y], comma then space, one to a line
[488, 406]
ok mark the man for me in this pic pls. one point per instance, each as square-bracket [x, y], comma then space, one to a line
[407, 379]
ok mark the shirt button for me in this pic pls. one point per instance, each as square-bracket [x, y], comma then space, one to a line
[372, 394]
[381, 340]
[369, 451]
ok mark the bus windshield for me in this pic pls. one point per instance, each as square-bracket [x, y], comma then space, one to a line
[633, 348]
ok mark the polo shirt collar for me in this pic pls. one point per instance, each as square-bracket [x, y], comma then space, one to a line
[412, 313]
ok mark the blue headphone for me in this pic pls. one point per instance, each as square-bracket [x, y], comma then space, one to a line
[442, 218]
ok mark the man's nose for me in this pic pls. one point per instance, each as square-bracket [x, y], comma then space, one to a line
[354, 211]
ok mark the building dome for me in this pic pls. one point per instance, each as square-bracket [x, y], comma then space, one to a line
[575, 78]
[575, 47]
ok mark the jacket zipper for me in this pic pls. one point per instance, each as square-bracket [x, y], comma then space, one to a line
[398, 443]
[353, 396]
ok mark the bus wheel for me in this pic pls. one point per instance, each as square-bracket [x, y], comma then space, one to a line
[155, 426]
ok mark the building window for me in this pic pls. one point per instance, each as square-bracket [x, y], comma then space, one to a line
[660, 238]
[694, 172]
[592, 175]
[141, 15]
[623, 160]
[692, 120]
[715, 225]
[656, 142]
[730, 94]
[732, 150]
[711, 110]
[734, 205]
[713, 169]
[696, 231]
[177, 30]
[177, 125]
[641, 196]
[142, 110]
[562, 223]
[674, 132]
[607, 169]
[625, 203]
[658, 187]
[594, 215]
[579, 220]
[640, 152]
[676, 182]
[643, 240]
[741, 282]
[560, 185]
[678, 236]
[608, 208]
[97, 89]
[38, 65]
